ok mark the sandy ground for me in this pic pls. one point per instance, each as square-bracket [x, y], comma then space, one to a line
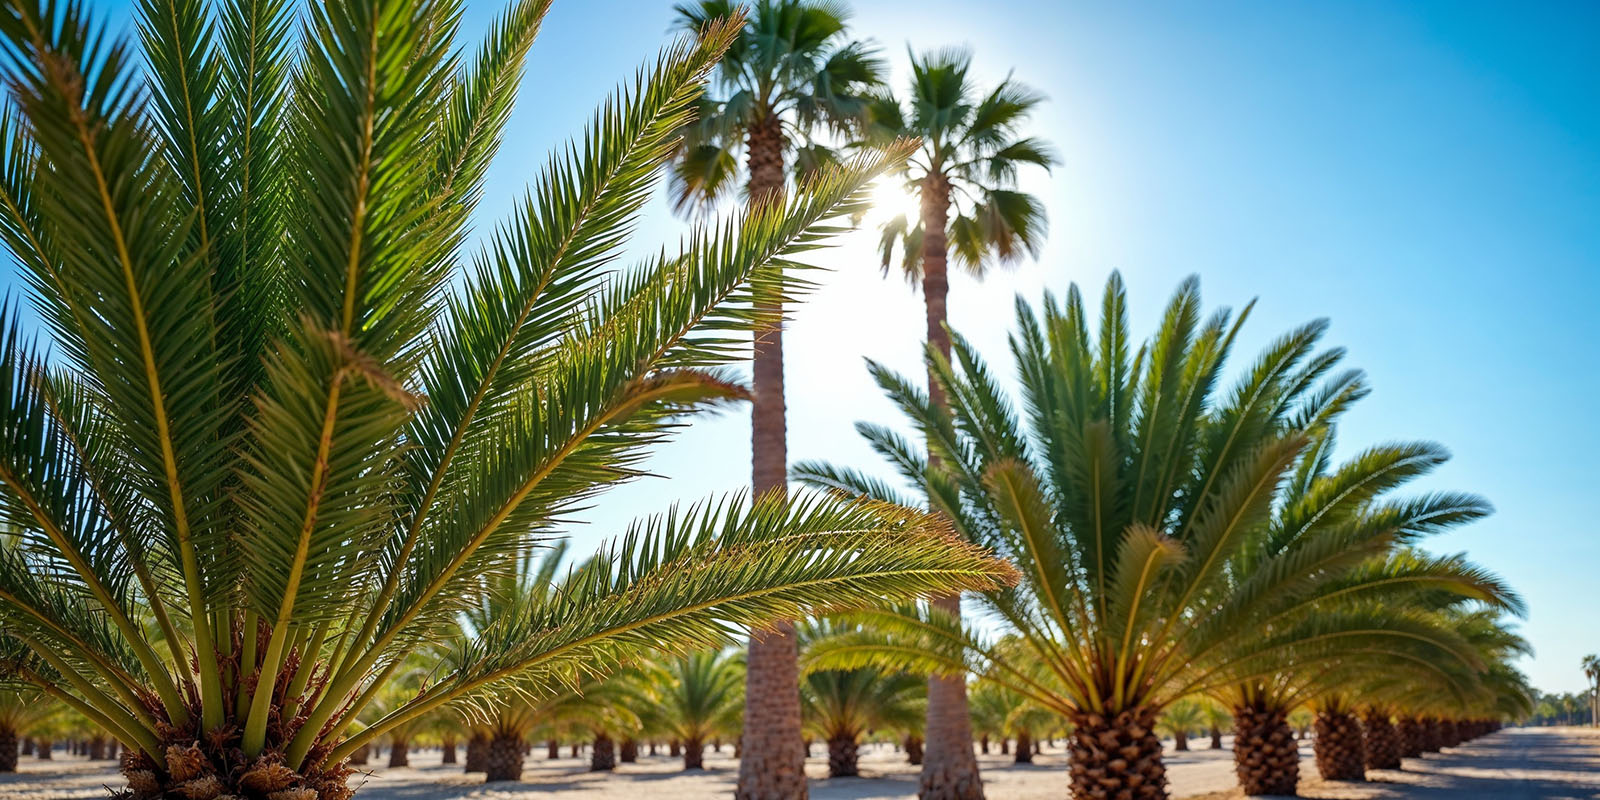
[1544, 763]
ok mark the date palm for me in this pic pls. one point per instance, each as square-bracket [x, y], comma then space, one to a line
[284, 437]
[842, 706]
[1591, 670]
[20, 710]
[965, 176]
[792, 72]
[1172, 536]
[692, 699]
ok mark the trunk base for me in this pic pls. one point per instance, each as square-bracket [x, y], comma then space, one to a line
[1383, 741]
[1265, 755]
[502, 760]
[604, 757]
[1119, 757]
[8, 750]
[842, 757]
[1341, 750]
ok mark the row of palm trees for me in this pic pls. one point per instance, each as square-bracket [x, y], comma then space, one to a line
[272, 479]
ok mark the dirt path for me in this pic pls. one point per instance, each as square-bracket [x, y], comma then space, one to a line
[1517, 764]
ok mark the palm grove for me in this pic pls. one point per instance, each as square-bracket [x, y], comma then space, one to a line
[284, 460]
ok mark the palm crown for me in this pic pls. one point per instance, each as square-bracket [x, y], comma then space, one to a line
[279, 445]
[965, 170]
[1173, 537]
[791, 73]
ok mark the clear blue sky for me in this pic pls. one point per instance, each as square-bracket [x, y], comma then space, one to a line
[1427, 175]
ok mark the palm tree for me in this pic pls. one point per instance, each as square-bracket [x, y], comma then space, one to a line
[970, 154]
[1172, 538]
[792, 71]
[1179, 719]
[1591, 670]
[282, 424]
[842, 706]
[692, 699]
[20, 711]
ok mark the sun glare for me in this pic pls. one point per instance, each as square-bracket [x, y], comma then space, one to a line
[889, 200]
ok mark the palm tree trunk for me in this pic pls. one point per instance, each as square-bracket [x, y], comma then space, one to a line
[604, 757]
[477, 753]
[1382, 740]
[43, 747]
[983, 744]
[1117, 756]
[842, 757]
[8, 749]
[1216, 738]
[674, 749]
[502, 759]
[448, 745]
[950, 771]
[1265, 755]
[914, 750]
[1340, 748]
[399, 750]
[27, 745]
[552, 749]
[1180, 740]
[772, 760]
[96, 749]
[694, 754]
[1431, 740]
[1410, 731]
[628, 753]
[1024, 748]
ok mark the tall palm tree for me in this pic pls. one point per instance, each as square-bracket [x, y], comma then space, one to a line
[965, 176]
[277, 425]
[1591, 670]
[1162, 546]
[792, 72]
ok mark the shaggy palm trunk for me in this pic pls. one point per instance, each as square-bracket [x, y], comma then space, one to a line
[1216, 738]
[772, 763]
[448, 745]
[1118, 756]
[674, 749]
[27, 745]
[1450, 733]
[477, 752]
[8, 749]
[629, 752]
[1410, 733]
[983, 744]
[576, 749]
[1024, 748]
[1382, 740]
[502, 759]
[96, 749]
[842, 757]
[694, 754]
[1265, 755]
[1340, 748]
[1431, 741]
[604, 757]
[43, 748]
[552, 749]
[399, 753]
[1180, 741]
[950, 771]
[914, 750]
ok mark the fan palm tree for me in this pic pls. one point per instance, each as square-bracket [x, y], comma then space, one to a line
[1164, 547]
[792, 72]
[965, 175]
[1591, 670]
[278, 426]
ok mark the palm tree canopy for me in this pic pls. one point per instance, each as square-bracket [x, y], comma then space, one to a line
[792, 66]
[286, 423]
[1172, 535]
[972, 151]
